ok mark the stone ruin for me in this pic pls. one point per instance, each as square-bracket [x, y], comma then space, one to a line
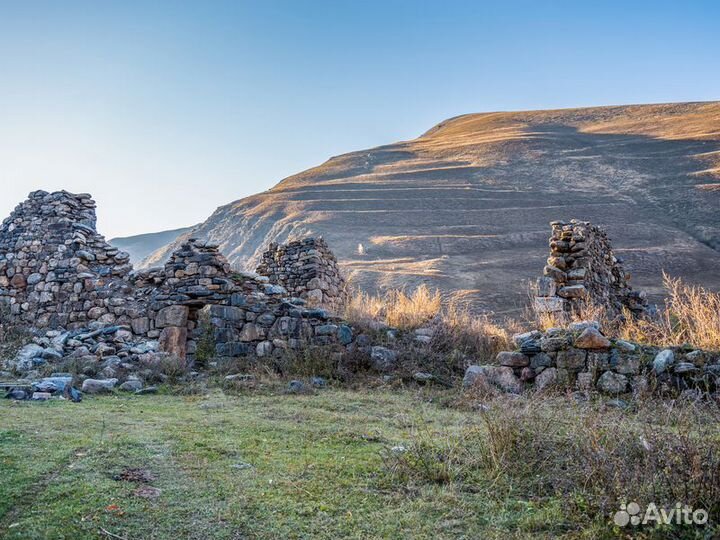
[58, 274]
[307, 269]
[582, 272]
[581, 359]
[115, 325]
[55, 269]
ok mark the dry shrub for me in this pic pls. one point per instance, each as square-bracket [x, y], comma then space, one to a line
[435, 458]
[593, 459]
[395, 308]
[691, 315]
[477, 335]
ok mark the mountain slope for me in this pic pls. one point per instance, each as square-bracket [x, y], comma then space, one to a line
[142, 245]
[465, 207]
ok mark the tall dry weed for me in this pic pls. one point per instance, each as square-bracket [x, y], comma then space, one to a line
[396, 308]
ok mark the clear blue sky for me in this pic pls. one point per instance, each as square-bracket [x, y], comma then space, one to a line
[166, 110]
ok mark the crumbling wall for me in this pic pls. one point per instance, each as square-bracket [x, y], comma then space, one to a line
[249, 315]
[308, 269]
[58, 273]
[581, 272]
[55, 269]
[581, 358]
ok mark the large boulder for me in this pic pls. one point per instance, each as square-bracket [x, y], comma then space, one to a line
[172, 316]
[173, 340]
[97, 386]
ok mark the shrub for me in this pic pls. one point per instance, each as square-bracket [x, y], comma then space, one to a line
[691, 315]
[594, 459]
[395, 308]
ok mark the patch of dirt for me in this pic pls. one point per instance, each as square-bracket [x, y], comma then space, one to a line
[138, 475]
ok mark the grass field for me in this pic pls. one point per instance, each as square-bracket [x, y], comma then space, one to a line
[255, 465]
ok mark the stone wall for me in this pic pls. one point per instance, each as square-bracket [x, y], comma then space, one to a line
[581, 358]
[248, 314]
[58, 273]
[55, 269]
[582, 272]
[307, 269]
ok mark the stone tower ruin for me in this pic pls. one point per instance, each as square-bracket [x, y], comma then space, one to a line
[307, 269]
[582, 272]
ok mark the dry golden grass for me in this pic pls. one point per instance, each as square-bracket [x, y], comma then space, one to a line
[396, 308]
[691, 315]
[457, 330]
[462, 330]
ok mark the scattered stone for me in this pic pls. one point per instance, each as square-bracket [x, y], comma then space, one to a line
[97, 386]
[296, 387]
[244, 377]
[383, 359]
[131, 386]
[423, 377]
[617, 404]
[318, 382]
[663, 361]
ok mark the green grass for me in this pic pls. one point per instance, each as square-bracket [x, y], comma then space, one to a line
[317, 470]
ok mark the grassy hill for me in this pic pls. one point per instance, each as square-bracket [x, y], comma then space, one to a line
[142, 245]
[465, 207]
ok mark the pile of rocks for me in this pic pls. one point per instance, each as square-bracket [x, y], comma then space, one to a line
[308, 269]
[582, 271]
[580, 357]
[55, 269]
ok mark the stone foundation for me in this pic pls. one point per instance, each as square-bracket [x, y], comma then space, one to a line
[581, 358]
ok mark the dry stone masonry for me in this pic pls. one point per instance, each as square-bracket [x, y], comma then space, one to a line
[307, 269]
[582, 271]
[55, 269]
[581, 358]
[115, 325]
[112, 327]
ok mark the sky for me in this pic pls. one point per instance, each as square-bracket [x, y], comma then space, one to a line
[164, 111]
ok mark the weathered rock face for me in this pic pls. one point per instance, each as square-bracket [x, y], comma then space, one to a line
[307, 269]
[55, 269]
[581, 358]
[582, 271]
